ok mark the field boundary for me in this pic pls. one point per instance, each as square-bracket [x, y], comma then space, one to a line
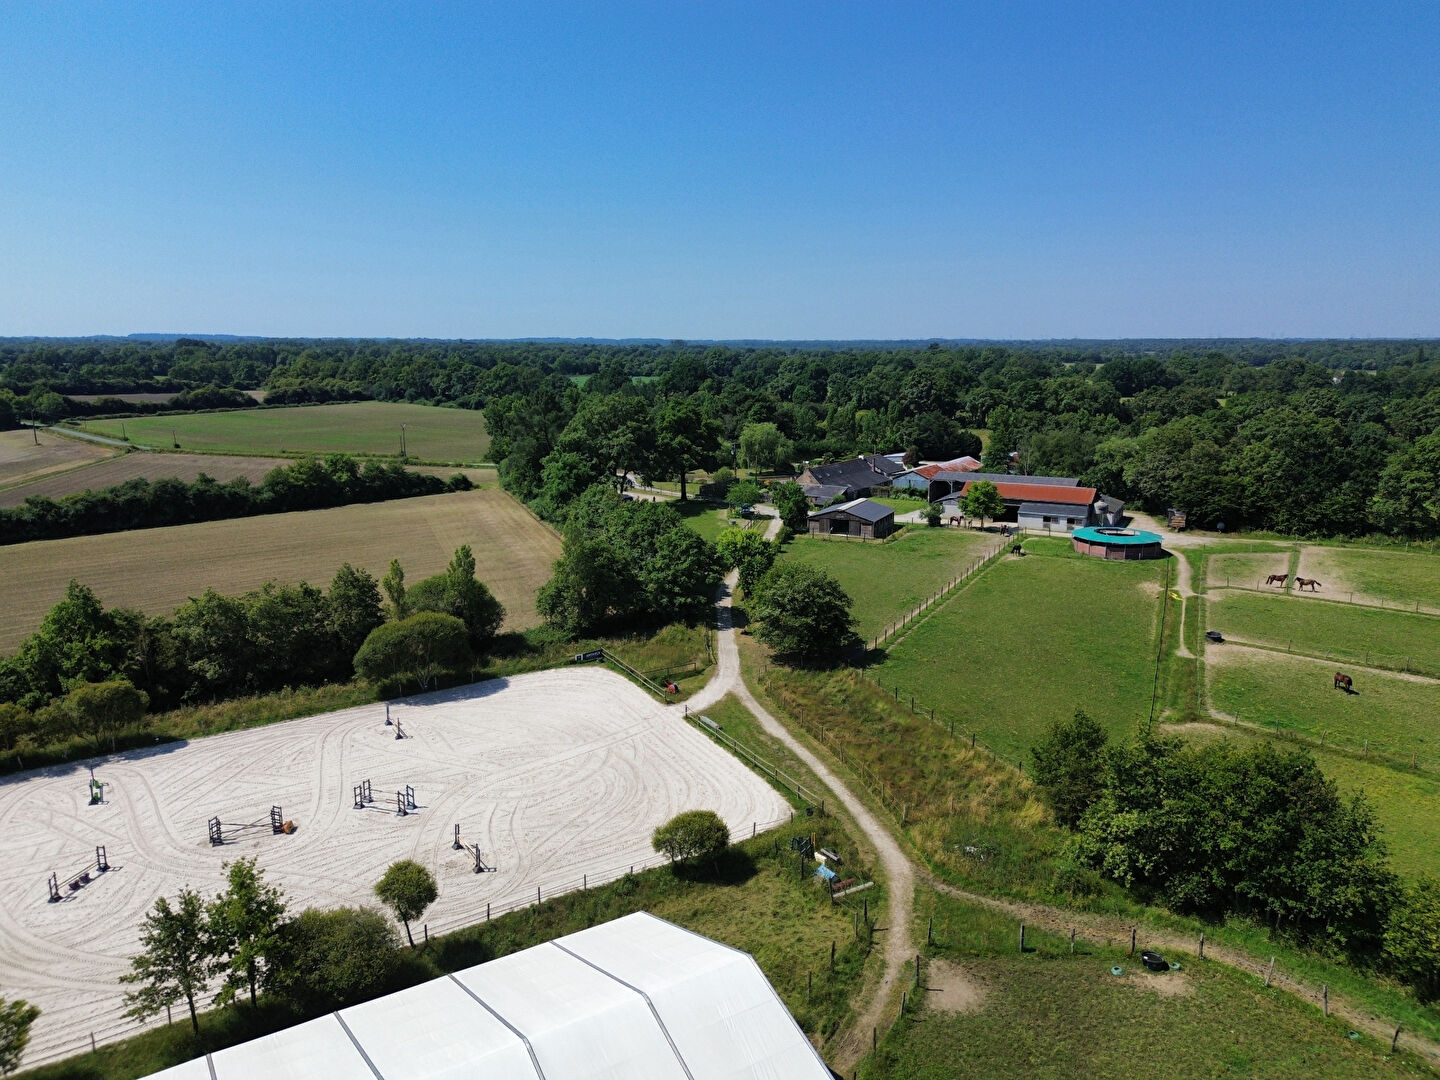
[897, 630]
[1378, 602]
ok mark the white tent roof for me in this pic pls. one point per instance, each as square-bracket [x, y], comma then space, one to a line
[633, 999]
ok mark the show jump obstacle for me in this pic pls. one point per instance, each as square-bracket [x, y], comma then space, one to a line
[364, 799]
[474, 850]
[221, 831]
[77, 881]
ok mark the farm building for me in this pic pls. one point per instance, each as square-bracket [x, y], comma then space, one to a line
[1117, 543]
[1045, 503]
[858, 517]
[854, 477]
[632, 999]
[937, 480]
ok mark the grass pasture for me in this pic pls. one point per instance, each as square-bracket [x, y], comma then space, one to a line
[1344, 633]
[23, 461]
[705, 518]
[886, 580]
[1398, 714]
[359, 427]
[155, 570]
[1031, 640]
[1245, 570]
[1048, 1014]
[1375, 576]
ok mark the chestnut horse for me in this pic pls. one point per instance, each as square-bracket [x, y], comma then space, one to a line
[1344, 682]
[1301, 582]
[1276, 579]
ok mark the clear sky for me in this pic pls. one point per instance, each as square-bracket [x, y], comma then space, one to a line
[721, 170]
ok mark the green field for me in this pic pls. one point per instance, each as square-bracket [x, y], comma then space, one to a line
[886, 580]
[1343, 632]
[360, 427]
[1398, 577]
[1397, 714]
[1048, 1014]
[1246, 570]
[1031, 640]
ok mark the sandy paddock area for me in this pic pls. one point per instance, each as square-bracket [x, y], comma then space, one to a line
[555, 775]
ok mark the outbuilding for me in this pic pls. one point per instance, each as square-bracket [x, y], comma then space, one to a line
[863, 518]
[1120, 544]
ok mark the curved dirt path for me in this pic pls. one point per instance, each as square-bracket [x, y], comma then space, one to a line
[898, 947]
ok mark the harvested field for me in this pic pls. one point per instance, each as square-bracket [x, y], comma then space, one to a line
[358, 427]
[21, 461]
[560, 777]
[117, 470]
[1397, 579]
[156, 570]
[186, 467]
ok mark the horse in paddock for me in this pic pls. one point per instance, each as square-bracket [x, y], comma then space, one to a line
[1017, 549]
[958, 522]
[1277, 579]
[1344, 682]
[1302, 582]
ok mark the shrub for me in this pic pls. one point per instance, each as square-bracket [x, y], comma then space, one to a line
[692, 836]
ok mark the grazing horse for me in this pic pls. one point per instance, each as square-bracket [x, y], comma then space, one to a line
[1344, 682]
[958, 522]
[1301, 582]
[1276, 579]
[1017, 549]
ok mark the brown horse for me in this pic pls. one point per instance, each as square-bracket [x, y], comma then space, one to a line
[958, 522]
[1276, 579]
[1344, 682]
[1302, 582]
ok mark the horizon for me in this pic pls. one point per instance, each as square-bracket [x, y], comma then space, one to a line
[745, 173]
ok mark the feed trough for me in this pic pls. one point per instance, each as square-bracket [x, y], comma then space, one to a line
[1214, 635]
[1153, 961]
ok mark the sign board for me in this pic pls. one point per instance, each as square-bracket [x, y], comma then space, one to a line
[593, 654]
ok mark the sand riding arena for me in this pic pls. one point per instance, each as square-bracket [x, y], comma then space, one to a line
[555, 779]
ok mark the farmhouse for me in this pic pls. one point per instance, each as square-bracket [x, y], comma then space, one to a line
[1044, 503]
[859, 517]
[637, 997]
[854, 477]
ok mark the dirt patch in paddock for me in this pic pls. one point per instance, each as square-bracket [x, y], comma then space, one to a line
[1170, 984]
[950, 988]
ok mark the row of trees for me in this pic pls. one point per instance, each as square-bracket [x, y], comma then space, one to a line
[1217, 828]
[243, 944]
[91, 672]
[1309, 437]
[307, 484]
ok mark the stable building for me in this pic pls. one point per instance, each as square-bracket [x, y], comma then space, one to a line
[855, 477]
[1046, 503]
[863, 518]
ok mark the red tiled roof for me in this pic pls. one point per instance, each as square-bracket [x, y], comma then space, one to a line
[1045, 493]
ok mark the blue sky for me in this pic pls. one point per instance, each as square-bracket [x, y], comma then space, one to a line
[721, 170]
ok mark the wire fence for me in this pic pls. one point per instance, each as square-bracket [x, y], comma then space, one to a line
[1410, 664]
[898, 628]
[1411, 607]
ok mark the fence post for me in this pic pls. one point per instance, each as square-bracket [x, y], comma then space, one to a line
[832, 956]
[1325, 998]
[1269, 973]
[1072, 941]
[1202, 945]
[1022, 937]
[930, 932]
[1132, 941]
[1393, 1042]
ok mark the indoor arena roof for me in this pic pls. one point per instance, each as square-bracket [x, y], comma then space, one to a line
[632, 999]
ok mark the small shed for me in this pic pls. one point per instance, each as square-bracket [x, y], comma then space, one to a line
[864, 518]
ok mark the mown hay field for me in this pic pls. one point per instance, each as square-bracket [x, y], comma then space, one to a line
[1030, 640]
[1373, 575]
[1337, 631]
[22, 460]
[155, 570]
[1392, 711]
[359, 427]
[186, 467]
[887, 580]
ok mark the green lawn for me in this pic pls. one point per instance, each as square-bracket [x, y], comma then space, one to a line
[1394, 576]
[1344, 632]
[1260, 686]
[886, 580]
[707, 519]
[1033, 639]
[360, 427]
[1048, 1014]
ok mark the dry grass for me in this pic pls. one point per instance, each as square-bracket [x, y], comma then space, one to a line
[21, 460]
[186, 467]
[157, 569]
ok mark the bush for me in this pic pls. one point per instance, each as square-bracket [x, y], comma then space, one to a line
[420, 647]
[802, 612]
[692, 836]
[1070, 766]
[335, 958]
[1412, 938]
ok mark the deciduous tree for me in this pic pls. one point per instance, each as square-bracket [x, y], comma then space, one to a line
[407, 889]
[245, 923]
[692, 836]
[177, 959]
[802, 612]
[983, 500]
[15, 1020]
[420, 647]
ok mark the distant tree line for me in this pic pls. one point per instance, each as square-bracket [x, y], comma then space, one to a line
[1315, 438]
[307, 484]
[89, 674]
[1216, 829]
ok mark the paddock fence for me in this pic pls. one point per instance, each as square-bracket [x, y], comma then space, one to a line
[897, 629]
[1409, 607]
